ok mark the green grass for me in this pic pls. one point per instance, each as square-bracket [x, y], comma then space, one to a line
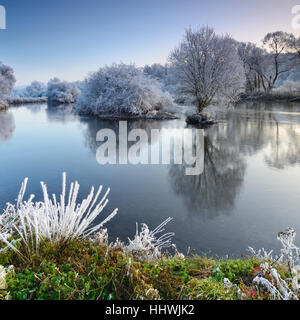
[84, 271]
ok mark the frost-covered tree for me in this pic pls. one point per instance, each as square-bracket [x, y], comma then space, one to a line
[264, 67]
[156, 71]
[36, 90]
[275, 61]
[62, 92]
[207, 67]
[122, 89]
[253, 59]
[7, 82]
[293, 44]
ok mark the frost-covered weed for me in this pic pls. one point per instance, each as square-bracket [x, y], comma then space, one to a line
[4, 272]
[49, 219]
[100, 237]
[270, 279]
[146, 246]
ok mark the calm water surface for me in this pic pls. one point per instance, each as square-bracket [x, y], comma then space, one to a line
[249, 190]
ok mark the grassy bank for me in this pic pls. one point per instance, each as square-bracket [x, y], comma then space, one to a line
[84, 270]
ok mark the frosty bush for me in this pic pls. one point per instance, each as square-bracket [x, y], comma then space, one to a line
[62, 92]
[121, 88]
[7, 82]
[36, 90]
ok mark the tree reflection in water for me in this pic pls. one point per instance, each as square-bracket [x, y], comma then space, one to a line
[241, 134]
[216, 189]
[273, 128]
[7, 126]
[248, 131]
[284, 148]
[94, 125]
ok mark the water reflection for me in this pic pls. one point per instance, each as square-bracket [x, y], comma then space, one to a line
[239, 200]
[61, 113]
[242, 133]
[272, 128]
[248, 130]
[7, 126]
[216, 189]
[94, 125]
[284, 146]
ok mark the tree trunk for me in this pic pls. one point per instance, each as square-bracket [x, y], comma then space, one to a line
[201, 105]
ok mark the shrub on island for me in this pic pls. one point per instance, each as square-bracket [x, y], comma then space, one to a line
[62, 92]
[121, 89]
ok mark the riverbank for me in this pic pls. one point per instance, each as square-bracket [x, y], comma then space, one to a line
[19, 101]
[272, 97]
[84, 270]
[152, 115]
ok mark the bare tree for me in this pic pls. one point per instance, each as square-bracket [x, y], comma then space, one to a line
[207, 66]
[263, 66]
[293, 44]
[276, 60]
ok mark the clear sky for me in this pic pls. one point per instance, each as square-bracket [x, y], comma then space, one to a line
[69, 38]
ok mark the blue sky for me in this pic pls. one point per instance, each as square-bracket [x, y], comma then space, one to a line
[69, 38]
